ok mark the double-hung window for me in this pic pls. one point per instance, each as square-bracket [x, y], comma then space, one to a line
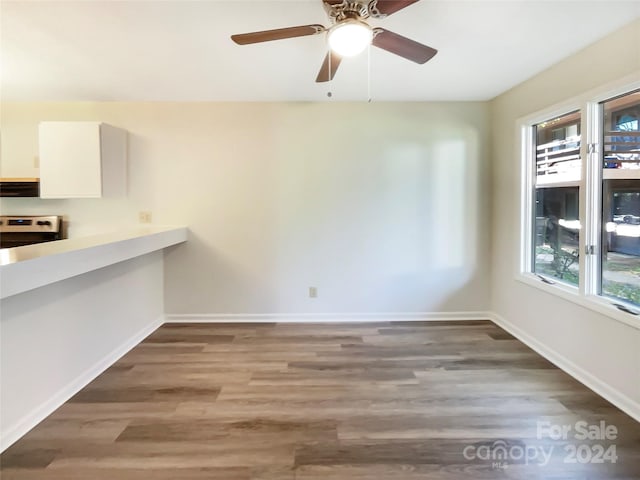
[620, 201]
[581, 201]
[556, 214]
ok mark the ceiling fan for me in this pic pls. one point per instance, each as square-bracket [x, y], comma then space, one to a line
[349, 33]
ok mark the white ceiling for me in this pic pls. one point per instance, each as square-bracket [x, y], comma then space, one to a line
[179, 50]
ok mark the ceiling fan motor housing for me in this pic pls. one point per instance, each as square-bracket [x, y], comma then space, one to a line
[340, 11]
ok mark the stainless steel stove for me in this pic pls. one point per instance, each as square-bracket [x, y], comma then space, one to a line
[27, 230]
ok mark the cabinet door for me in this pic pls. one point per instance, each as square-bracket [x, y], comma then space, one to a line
[70, 163]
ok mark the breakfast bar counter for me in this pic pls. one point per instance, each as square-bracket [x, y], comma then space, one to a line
[33, 266]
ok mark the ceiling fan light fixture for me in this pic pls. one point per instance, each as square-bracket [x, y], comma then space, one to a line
[350, 37]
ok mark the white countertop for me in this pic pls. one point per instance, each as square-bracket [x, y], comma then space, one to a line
[32, 266]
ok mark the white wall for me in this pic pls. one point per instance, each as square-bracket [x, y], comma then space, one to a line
[603, 349]
[55, 339]
[382, 207]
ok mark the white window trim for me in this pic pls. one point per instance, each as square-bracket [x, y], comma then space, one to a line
[586, 295]
[591, 202]
[528, 180]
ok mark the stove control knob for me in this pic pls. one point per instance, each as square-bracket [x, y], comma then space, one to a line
[43, 222]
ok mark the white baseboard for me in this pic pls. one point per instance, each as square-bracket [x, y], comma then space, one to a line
[603, 389]
[14, 432]
[325, 317]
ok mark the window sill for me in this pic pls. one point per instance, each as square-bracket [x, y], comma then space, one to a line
[595, 303]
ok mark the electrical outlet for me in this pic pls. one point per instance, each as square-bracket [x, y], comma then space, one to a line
[313, 292]
[144, 217]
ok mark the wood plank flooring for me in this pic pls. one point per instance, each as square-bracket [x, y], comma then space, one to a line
[396, 401]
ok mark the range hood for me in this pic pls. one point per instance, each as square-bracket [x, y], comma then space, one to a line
[19, 187]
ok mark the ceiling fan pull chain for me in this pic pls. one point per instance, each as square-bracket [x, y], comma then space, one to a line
[369, 73]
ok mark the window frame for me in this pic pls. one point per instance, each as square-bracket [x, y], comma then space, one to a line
[586, 294]
[530, 151]
[527, 142]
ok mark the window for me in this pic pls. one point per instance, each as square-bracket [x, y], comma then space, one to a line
[620, 255]
[557, 221]
[581, 202]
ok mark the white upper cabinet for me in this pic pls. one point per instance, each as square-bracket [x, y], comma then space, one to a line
[82, 160]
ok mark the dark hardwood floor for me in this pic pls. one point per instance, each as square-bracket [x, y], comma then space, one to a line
[398, 401]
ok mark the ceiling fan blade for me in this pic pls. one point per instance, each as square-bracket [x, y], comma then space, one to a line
[277, 34]
[382, 8]
[329, 67]
[403, 46]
